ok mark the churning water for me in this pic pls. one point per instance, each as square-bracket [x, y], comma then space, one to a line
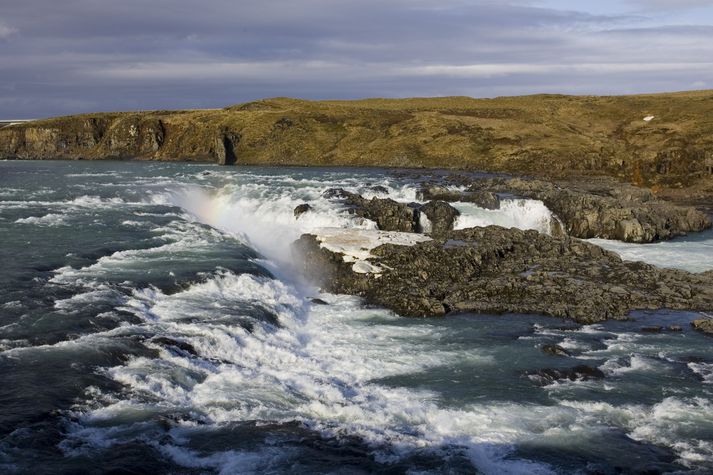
[149, 324]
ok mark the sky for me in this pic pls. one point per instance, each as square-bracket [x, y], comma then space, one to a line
[70, 56]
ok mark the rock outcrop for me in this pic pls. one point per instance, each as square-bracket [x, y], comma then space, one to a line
[390, 215]
[704, 325]
[587, 209]
[497, 270]
[301, 209]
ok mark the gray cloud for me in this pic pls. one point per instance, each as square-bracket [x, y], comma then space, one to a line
[84, 55]
[672, 4]
[6, 31]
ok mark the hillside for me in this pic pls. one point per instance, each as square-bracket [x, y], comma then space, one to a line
[547, 135]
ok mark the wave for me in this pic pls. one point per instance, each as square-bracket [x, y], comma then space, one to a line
[51, 219]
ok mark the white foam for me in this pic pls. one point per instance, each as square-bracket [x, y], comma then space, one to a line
[635, 363]
[704, 370]
[264, 220]
[513, 213]
[51, 219]
[692, 254]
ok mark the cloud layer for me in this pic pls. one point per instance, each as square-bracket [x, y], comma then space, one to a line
[86, 55]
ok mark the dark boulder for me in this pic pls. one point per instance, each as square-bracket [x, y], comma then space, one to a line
[301, 209]
[379, 189]
[441, 215]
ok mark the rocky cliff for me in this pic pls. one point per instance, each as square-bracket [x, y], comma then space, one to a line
[546, 135]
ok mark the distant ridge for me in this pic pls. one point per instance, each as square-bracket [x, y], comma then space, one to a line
[545, 134]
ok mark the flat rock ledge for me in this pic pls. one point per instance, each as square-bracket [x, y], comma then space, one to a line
[494, 270]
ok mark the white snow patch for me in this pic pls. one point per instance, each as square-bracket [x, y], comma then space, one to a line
[649, 118]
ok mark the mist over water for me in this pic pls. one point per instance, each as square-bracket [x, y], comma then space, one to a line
[148, 324]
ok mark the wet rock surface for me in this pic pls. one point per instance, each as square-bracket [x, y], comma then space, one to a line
[498, 270]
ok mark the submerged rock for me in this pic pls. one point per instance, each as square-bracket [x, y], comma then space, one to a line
[577, 373]
[498, 270]
[177, 344]
[556, 350]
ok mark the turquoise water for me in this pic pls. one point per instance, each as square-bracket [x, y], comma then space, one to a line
[150, 323]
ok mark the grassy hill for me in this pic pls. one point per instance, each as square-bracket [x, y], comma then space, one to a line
[547, 135]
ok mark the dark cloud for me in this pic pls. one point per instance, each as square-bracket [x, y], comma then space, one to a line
[84, 55]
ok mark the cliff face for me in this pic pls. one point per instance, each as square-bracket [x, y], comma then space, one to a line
[543, 135]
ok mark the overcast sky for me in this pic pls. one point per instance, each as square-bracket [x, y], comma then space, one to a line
[70, 56]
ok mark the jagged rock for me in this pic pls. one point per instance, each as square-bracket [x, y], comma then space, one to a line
[388, 214]
[556, 350]
[704, 325]
[301, 209]
[498, 270]
[441, 215]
